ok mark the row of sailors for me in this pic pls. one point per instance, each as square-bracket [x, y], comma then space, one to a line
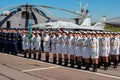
[84, 46]
[97, 47]
[10, 41]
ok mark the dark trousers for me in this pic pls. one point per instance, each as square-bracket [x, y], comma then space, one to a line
[14, 48]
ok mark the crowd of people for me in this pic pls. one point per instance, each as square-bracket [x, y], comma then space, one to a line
[82, 48]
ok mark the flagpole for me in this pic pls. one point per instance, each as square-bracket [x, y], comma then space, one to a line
[30, 35]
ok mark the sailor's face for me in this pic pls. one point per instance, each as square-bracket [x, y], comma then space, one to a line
[53, 34]
[64, 34]
[37, 34]
[93, 35]
[78, 35]
[84, 35]
[104, 35]
[70, 34]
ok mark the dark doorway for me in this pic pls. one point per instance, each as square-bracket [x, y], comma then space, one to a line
[8, 24]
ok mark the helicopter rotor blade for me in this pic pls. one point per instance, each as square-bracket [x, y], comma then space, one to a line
[59, 9]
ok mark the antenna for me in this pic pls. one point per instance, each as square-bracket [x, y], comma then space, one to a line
[87, 5]
[80, 4]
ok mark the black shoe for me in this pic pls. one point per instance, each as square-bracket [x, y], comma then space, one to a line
[90, 62]
[54, 60]
[99, 64]
[115, 64]
[34, 56]
[39, 56]
[29, 55]
[76, 61]
[60, 61]
[105, 66]
[109, 63]
[119, 60]
[72, 63]
[94, 67]
[25, 54]
[79, 65]
[47, 59]
[65, 62]
[87, 66]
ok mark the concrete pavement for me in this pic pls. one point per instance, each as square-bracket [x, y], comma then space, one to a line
[19, 68]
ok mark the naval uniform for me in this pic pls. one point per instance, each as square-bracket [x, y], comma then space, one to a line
[114, 45]
[71, 41]
[32, 42]
[19, 42]
[94, 48]
[5, 42]
[100, 46]
[65, 45]
[59, 44]
[14, 44]
[0, 41]
[78, 46]
[24, 42]
[46, 43]
[104, 47]
[53, 44]
[27, 42]
[37, 43]
[85, 48]
[10, 42]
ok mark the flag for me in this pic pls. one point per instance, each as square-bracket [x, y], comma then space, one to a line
[30, 28]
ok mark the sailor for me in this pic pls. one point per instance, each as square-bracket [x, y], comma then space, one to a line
[3, 40]
[65, 48]
[78, 49]
[104, 43]
[119, 45]
[94, 49]
[110, 54]
[38, 45]
[0, 40]
[89, 35]
[109, 48]
[100, 60]
[6, 40]
[86, 50]
[19, 33]
[32, 45]
[42, 34]
[46, 45]
[53, 46]
[24, 44]
[14, 43]
[27, 44]
[59, 47]
[115, 48]
[9, 48]
[71, 42]
[75, 36]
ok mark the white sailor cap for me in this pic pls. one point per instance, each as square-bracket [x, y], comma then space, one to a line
[115, 32]
[80, 33]
[98, 32]
[93, 32]
[70, 31]
[108, 32]
[85, 32]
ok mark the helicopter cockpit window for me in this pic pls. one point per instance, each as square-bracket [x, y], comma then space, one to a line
[25, 14]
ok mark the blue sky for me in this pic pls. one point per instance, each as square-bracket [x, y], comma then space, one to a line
[97, 8]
